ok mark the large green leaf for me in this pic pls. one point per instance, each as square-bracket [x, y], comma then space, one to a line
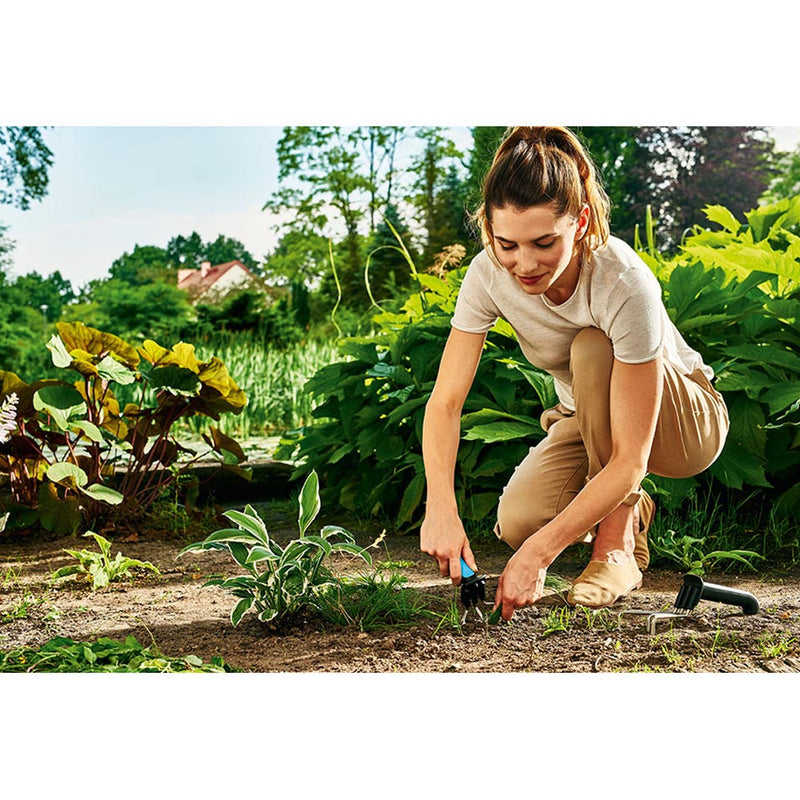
[105, 494]
[502, 431]
[67, 473]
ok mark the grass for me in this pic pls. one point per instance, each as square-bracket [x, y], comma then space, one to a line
[271, 378]
[373, 601]
[776, 644]
[722, 532]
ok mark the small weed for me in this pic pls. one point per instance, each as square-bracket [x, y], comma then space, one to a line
[557, 620]
[776, 645]
[100, 568]
[640, 666]
[601, 617]
[451, 618]
[11, 578]
[21, 609]
[676, 659]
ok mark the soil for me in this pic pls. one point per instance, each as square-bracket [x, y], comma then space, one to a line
[177, 614]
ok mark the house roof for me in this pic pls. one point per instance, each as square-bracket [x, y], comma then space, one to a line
[199, 280]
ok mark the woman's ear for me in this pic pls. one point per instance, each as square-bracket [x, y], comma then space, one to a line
[583, 222]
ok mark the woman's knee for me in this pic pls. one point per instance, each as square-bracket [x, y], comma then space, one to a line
[591, 353]
[517, 521]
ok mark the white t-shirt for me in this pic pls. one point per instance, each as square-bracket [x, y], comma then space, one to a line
[616, 293]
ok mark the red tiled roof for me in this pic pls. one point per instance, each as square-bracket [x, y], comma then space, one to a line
[195, 280]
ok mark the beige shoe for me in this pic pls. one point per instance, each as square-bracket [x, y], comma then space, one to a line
[647, 508]
[602, 584]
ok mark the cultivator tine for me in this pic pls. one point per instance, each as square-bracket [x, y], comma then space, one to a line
[473, 591]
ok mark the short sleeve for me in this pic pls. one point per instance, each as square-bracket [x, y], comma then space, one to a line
[475, 311]
[635, 324]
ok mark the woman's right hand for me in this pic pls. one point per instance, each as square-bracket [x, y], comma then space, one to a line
[443, 537]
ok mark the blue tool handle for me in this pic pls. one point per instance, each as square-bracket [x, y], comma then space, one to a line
[466, 572]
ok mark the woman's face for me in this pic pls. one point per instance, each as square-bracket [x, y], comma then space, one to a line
[538, 248]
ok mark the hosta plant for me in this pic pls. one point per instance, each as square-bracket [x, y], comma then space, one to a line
[279, 581]
[100, 568]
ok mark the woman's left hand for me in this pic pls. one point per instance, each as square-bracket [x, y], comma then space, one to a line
[522, 581]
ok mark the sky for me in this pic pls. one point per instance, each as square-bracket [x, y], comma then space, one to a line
[113, 187]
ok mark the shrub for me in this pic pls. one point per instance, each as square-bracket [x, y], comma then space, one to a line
[70, 437]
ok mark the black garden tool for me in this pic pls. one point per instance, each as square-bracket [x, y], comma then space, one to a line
[693, 590]
[473, 591]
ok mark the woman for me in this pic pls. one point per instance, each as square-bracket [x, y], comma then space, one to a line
[633, 396]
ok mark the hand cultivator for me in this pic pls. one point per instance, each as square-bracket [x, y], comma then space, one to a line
[693, 590]
[473, 591]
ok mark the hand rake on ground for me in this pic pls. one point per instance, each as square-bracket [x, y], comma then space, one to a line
[693, 590]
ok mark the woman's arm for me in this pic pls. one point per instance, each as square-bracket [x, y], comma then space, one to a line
[635, 401]
[442, 534]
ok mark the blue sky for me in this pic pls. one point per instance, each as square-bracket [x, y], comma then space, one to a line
[113, 187]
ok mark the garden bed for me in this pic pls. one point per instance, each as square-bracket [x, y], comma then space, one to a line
[178, 616]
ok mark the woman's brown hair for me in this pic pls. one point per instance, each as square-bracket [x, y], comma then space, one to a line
[537, 166]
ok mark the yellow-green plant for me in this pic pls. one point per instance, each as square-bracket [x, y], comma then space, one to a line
[70, 437]
[100, 568]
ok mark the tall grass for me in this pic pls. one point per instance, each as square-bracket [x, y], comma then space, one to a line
[271, 378]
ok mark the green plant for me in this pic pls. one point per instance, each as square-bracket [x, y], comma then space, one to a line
[365, 442]
[776, 644]
[71, 438]
[100, 568]
[279, 581]
[372, 601]
[734, 294]
[104, 655]
[689, 553]
[558, 619]
[21, 609]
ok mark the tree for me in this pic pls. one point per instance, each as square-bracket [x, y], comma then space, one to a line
[48, 294]
[623, 162]
[380, 144]
[431, 168]
[144, 265]
[388, 268]
[327, 188]
[300, 255]
[786, 183]
[157, 310]
[186, 251]
[728, 166]
[485, 141]
[24, 163]
[450, 218]
[224, 249]
[7, 246]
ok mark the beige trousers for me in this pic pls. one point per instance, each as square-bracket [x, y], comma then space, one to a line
[690, 433]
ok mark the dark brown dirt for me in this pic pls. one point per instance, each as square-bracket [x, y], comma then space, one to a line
[177, 614]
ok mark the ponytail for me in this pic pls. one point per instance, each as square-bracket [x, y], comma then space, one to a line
[541, 165]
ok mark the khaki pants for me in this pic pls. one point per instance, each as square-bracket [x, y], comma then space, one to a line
[690, 433]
